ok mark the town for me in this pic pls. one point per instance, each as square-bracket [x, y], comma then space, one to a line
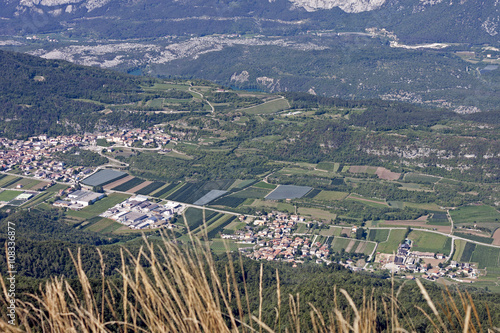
[37, 156]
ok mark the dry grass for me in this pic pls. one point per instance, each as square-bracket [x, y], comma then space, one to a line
[172, 289]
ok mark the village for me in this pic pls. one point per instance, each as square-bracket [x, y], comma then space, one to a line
[36, 156]
[430, 266]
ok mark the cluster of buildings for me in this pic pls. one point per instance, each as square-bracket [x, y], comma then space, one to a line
[417, 262]
[139, 212]
[128, 138]
[77, 199]
[273, 238]
[36, 156]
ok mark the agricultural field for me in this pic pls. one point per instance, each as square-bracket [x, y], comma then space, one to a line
[104, 225]
[391, 245]
[316, 213]
[219, 245]
[459, 249]
[128, 185]
[228, 201]
[165, 190]
[486, 256]
[288, 192]
[331, 231]
[420, 178]
[240, 184]
[438, 218]
[314, 192]
[475, 214]
[467, 252]
[272, 106]
[191, 192]
[252, 192]
[265, 185]
[194, 217]
[235, 225]
[26, 183]
[99, 207]
[340, 243]
[486, 240]
[103, 177]
[215, 228]
[8, 195]
[328, 166]
[331, 195]
[210, 196]
[378, 235]
[150, 188]
[430, 242]
[38, 199]
[362, 169]
[372, 202]
[9, 180]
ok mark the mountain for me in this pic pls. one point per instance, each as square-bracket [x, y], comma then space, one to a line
[445, 20]
[440, 52]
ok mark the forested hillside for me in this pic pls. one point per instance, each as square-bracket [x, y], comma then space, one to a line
[39, 96]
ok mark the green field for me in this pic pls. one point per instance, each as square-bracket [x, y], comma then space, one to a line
[105, 226]
[194, 217]
[128, 185]
[8, 195]
[430, 242]
[332, 231]
[219, 245]
[476, 238]
[228, 201]
[486, 256]
[373, 202]
[265, 185]
[27, 183]
[475, 214]
[316, 213]
[340, 243]
[459, 249]
[165, 190]
[99, 207]
[331, 195]
[286, 207]
[146, 190]
[392, 243]
[378, 235]
[252, 192]
[469, 248]
[9, 180]
[419, 178]
[328, 166]
[273, 106]
[235, 225]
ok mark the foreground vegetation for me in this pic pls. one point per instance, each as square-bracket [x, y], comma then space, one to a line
[167, 288]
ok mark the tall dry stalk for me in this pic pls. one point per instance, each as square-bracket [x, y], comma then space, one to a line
[179, 290]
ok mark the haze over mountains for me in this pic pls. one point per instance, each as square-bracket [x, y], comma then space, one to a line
[441, 52]
[412, 21]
